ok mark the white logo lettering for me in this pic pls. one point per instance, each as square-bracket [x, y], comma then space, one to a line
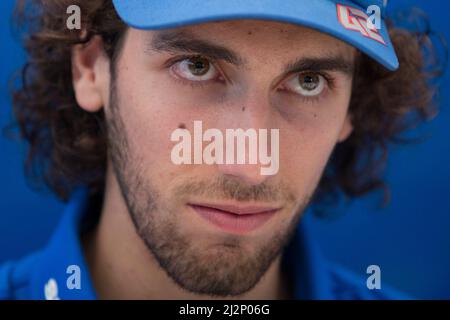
[255, 141]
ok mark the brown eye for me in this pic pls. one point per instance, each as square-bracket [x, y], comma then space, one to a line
[307, 84]
[198, 66]
[195, 69]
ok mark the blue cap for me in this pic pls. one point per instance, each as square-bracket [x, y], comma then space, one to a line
[346, 20]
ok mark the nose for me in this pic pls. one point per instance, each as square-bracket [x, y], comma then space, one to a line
[251, 113]
[248, 173]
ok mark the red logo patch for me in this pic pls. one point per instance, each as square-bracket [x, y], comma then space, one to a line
[355, 19]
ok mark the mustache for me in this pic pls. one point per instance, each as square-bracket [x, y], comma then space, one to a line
[225, 188]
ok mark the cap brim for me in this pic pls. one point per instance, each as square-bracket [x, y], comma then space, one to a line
[319, 15]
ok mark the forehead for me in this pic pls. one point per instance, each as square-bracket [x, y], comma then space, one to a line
[263, 36]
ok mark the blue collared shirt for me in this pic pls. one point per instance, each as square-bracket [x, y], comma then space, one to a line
[44, 274]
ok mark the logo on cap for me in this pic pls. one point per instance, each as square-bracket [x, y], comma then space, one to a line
[357, 20]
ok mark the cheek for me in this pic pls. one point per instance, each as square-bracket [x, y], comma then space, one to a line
[151, 114]
[148, 124]
[308, 143]
[303, 160]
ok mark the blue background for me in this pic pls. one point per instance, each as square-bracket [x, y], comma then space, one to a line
[409, 240]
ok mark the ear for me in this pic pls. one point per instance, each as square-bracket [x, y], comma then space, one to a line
[90, 74]
[346, 129]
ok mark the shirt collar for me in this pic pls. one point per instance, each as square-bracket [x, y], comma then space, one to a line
[307, 267]
[51, 274]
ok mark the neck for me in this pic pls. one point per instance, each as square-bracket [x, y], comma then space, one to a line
[122, 267]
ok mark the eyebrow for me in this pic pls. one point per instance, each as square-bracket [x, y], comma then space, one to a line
[179, 41]
[183, 42]
[329, 63]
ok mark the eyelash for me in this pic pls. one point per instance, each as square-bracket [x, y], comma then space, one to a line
[200, 84]
[330, 86]
[193, 84]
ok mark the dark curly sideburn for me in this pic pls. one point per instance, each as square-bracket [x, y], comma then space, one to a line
[67, 145]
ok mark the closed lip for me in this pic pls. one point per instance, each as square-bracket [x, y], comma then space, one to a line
[238, 209]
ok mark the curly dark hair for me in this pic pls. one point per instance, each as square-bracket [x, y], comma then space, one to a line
[67, 145]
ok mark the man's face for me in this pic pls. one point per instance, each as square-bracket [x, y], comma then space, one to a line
[237, 74]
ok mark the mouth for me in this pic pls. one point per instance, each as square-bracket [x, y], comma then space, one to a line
[235, 218]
